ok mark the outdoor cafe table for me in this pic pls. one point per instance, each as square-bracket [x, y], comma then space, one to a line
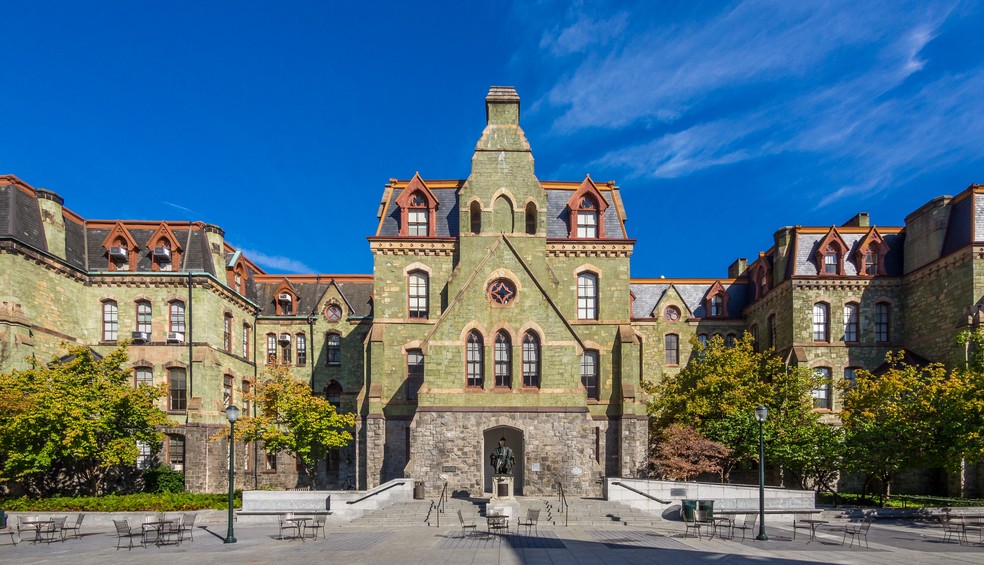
[39, 524]
[158, 524]
[497, 522]
[814, 524]
[301, 522]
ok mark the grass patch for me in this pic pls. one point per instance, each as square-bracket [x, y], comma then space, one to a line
[150, 502]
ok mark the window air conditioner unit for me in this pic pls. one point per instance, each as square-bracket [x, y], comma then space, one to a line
[284, 338]
[162, 253]
[117, 252]
[284, 297]
[140, 337]
[177, 467]
[175, 337]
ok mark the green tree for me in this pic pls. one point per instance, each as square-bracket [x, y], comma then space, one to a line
[293, 420]
[70, 426]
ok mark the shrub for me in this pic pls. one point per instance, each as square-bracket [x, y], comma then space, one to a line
[163, 479]
[162, 502]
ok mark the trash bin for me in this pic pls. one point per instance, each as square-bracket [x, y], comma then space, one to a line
[418, 490]
[687, 508]
[706, 508]
[3, 519]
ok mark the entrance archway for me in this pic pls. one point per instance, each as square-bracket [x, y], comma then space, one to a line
[514, 439]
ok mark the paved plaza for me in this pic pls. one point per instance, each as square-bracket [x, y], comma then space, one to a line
[894, 543]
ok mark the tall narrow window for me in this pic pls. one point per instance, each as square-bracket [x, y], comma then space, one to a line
[144, 455]
[418, 294]
[589, 373]
[672, 349]
[849, 376]
[851, 323]
[475, 216]
[227, 333]
[415, 372]
[821, 392]
[587, 296]
[227, 390]
[881, 322]
[176, 452]
[177, 319]
[177, 390]
[503, 360]
[333, 349]
[285, 348]
[871, 263]
[271, 351]
[111, 320]
[301, 350]
[473, 360]
[821, 319]
[247, 399]
[246, 341]
[530, 218]
[333, 394]
[772, 330]
[755, 336]
[587, 218]
[417, 216]
[145, 376]
[717, 306]
[830, 262]
[702, 339]
[144, 317]
[531, 360]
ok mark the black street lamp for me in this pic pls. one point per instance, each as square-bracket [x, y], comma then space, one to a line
[232, 413]
[760, 414]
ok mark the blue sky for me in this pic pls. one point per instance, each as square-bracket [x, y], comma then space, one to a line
[281, 122]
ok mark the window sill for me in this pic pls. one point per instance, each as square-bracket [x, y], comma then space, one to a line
[339, 364]
[176, 412]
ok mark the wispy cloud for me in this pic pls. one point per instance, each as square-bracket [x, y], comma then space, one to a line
[179, 207]
[583, 33]
[276, 262]
[847, 83]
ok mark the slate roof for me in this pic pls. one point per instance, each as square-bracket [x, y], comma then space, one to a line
[648, 294]
[558, 216]
[357, 294]
[807, 244]
[20, 217]
[445, 221]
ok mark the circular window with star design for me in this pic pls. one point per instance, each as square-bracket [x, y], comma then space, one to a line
[501, 292]
[672, 314]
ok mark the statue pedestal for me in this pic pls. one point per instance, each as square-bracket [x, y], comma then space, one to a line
[502, 487]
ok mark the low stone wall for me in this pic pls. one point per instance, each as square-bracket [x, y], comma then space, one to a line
[262, 506]
[726, 497]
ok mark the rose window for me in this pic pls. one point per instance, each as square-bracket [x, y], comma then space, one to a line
[501, 291]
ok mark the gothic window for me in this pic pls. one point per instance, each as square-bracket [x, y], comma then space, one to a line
[821, 392]
[882, 314]
[475, 217]
[144, 316]
[501, 292]
[474, 360]
[587, 296]
[589, 373]
[531, 360]
[333, 348]
[851, 323]
[176, 322]
[301, 341]
[177, 390]
[587, 217]
[821, 322]
[418, 294]
[672, 349]
[415, 373]
[530, 218]
[110, 320]
[503, 360]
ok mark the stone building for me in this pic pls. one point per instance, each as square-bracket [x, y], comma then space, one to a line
[500, 305]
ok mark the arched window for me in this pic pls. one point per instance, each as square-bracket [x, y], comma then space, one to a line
[821, 391]
[672, 342]
[587, 217]
[417, 294]
[285, 349]
[111, 320]
[729, 340]
[531, 360]
[144, 375]
[702, 339]
[418, 220]
[587, 296]
[502, 215]
[589, 373]
[474, 360]
[333, 349]
[821, 322]
[475, 215]
[144, 317]
[271, 349]
[333, 394]
[503, 360]
[415, 372]
[301, 341]
[831, 261]
[176, 321]
[530, 218]
[717, 306]
[882, 317]
[852, 331]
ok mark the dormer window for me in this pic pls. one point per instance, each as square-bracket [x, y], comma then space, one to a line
[417, 217]
[716, 301]
[236, 276]
[285, 299]
[162, 256]
[870, 254]
[587, 218]
[717, 306]
[871, 262]
[417, 207]
[830, 253]
[830, 261]
[165, 252]
[586, 209]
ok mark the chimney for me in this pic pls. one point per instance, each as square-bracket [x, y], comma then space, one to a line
[860, 220]
[53, 220]
[502, 106]
[737, 268]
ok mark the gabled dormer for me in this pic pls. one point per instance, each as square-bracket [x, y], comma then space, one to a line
[121, 249]
[830, 254]
[286, 299]
[760, 277]
[716, 301]
[869, 257]
[165, 249]
[236, 273]
[586, 212]
[417, 209]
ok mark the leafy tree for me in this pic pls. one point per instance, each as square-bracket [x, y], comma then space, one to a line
[295, 421]
[682, 453]
[73, 425]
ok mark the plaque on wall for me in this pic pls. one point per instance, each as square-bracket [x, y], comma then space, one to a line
[576, 470]
[535, 467]
[449, 469]
[674, 492]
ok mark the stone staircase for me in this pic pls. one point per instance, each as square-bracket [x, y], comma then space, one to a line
[582, 512]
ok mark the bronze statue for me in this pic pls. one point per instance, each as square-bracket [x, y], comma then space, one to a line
[502, 459]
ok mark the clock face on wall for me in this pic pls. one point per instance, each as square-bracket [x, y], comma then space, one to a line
[672, 314]
[333, 313]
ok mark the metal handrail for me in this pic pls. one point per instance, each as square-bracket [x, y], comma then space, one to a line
[441, 501]
[563, 501]
[373, 493]
[637, 491]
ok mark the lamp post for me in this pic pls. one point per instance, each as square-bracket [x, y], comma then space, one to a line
[232, 413]
[760, 414]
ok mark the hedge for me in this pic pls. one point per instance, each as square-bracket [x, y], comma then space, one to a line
[154, 502]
